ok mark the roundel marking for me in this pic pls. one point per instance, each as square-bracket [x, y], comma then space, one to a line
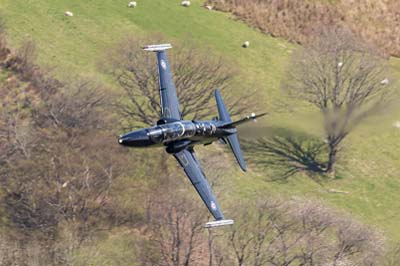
[213, 206]
[163, 64]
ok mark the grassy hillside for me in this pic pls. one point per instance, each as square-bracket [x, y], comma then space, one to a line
[375, 21]
[370, 164]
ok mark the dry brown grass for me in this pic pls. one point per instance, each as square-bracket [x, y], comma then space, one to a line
[375, 21]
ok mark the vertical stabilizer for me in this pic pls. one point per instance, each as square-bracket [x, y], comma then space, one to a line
[235, 146]
[222, 111]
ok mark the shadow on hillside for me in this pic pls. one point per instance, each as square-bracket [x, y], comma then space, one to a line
[287, 155]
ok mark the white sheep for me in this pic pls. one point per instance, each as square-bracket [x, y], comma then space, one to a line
[209, 7]
[185, 3]
[69, 14]
[396, 124]
[385, 81]
[246, 44]
[132, 4]
[340, 64]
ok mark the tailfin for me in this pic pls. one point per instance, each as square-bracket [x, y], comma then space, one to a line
[232, 139]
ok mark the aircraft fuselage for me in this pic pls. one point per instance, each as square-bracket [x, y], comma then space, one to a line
[176, 135]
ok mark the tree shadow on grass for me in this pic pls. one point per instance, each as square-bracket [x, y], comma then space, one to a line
[288, 154]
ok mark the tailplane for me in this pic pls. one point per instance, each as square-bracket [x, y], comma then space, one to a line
[232, 139]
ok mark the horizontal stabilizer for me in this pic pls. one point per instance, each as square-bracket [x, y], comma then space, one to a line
[157, 47]
[226, 122]
[235, 146]
[253, 117]
[218, 223]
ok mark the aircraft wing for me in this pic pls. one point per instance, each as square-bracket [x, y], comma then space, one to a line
[169, 99]
[192, 168]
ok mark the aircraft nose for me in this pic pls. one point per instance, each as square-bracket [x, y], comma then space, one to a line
[134, 139]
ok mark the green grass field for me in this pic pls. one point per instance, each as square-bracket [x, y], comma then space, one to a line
[369, 167]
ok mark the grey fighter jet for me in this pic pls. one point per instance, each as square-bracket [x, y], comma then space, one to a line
[179, 136]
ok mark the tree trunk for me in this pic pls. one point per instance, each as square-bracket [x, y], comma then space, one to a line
[330, 168]
[210, 246]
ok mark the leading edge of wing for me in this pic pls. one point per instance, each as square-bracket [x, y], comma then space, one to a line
[187, 159]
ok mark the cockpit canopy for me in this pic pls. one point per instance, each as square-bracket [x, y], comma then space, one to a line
[172, 131]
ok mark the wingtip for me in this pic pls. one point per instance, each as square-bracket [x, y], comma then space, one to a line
[218, 223]
[242, 164]
[157, 47]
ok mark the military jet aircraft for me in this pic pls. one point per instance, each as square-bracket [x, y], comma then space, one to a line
[179, 136]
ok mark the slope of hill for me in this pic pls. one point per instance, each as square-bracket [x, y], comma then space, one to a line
[370, 164]
[375, 21]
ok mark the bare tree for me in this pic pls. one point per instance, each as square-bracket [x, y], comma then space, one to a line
[300, 232]
[176, 230]
[251, 232]
[342, 77]
[196, 74]
[216, 248]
